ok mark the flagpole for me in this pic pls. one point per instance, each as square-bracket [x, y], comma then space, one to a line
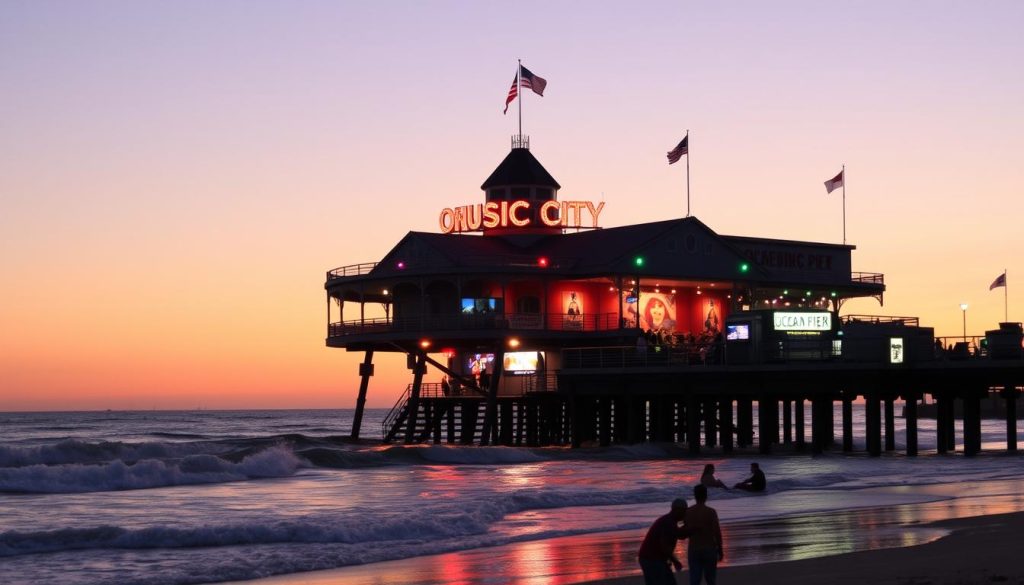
[687, 172]
[519, 94]
[1006, 296]
[844, 204]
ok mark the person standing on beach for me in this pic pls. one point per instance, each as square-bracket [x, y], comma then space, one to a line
[706, 545]
[658, 549]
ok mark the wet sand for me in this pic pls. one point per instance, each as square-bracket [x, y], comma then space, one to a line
[983, 549]
[960, 541]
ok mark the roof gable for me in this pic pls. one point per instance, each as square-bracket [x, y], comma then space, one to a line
[520, 168]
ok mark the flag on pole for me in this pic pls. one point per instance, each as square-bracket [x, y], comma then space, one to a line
[998, 282]
[537, 84]
[677, 153]
[834, 183]
[512, 93]
[527, 79]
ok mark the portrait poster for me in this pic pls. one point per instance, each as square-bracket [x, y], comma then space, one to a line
[572, 305]
[572, 310]
[712, 316]
[658, 312]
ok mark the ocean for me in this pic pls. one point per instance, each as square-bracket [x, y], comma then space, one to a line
[181, 497]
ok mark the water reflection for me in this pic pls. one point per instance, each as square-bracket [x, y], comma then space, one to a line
[562, 561]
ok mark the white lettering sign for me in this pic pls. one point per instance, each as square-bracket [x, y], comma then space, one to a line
[803, 321]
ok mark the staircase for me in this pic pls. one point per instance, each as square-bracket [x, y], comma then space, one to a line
[439, 418]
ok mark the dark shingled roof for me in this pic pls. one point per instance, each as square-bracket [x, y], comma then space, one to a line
[520, 168]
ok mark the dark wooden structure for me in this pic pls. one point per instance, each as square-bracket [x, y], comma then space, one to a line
[664, 331]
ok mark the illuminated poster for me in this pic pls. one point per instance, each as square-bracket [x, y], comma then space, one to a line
[712, 320]
[659, 312]
[572, 309]
[572, 304]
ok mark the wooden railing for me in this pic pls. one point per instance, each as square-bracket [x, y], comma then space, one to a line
[477, 322]
[867, 277]
[351, 270]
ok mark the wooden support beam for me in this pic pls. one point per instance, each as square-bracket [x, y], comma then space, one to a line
[365, 372]
[798, 427]
[725, 424]
[910, 416]
[1010, 395]
[693, 424]
[848, 398]
[419, 368]
[890, 424]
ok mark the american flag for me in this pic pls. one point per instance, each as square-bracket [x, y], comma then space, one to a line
[537, 84]
[677, 153]
[835, 182]
[528, 80]
[512, 93]
[998, 282]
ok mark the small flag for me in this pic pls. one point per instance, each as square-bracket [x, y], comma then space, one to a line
[835, 182]
[537, 84]
[527, 79]
[998, 282]
[512, 93]
[677, 153]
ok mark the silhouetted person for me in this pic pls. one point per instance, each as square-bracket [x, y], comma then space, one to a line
[706, 545]
[657, 553]
[756, 482]
[708, 479]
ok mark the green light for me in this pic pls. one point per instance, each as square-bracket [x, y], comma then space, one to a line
[639, 261]
[744, 267]
[785, 292]
[833, 294]
[808, 293]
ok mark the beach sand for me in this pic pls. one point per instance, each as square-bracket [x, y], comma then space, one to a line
[982, 549]
[975, 550]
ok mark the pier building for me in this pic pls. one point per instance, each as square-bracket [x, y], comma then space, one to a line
[524, 322]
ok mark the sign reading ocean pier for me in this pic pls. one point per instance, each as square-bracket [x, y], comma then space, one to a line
[503, 214]
[803, 321]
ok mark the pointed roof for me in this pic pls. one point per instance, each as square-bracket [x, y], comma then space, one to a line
[520, 168]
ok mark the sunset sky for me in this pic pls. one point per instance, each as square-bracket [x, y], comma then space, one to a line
[176, 178]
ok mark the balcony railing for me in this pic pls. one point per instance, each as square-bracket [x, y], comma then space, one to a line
[867, 277]
[693, 354]
[351, 270]
[878, 319]
[478, 322]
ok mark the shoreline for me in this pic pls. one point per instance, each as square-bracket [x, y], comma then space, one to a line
[934, 543]
[978, 549]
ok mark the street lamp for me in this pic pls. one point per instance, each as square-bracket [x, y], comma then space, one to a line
[963, 307]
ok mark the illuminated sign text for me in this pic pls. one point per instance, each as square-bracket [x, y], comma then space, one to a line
[802, 321]
[503, 214]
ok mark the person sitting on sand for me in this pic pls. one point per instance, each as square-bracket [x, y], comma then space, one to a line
[708, 479]
[756, 482]
[658, 549]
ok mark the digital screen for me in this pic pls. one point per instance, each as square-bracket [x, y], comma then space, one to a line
[521, 362]
[739, 332]
[478, 362]
[471, 306]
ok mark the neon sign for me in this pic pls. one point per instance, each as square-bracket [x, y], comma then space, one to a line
[786, 321]
[503, 214]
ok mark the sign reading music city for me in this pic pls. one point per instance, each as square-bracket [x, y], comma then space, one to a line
[503, 214]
